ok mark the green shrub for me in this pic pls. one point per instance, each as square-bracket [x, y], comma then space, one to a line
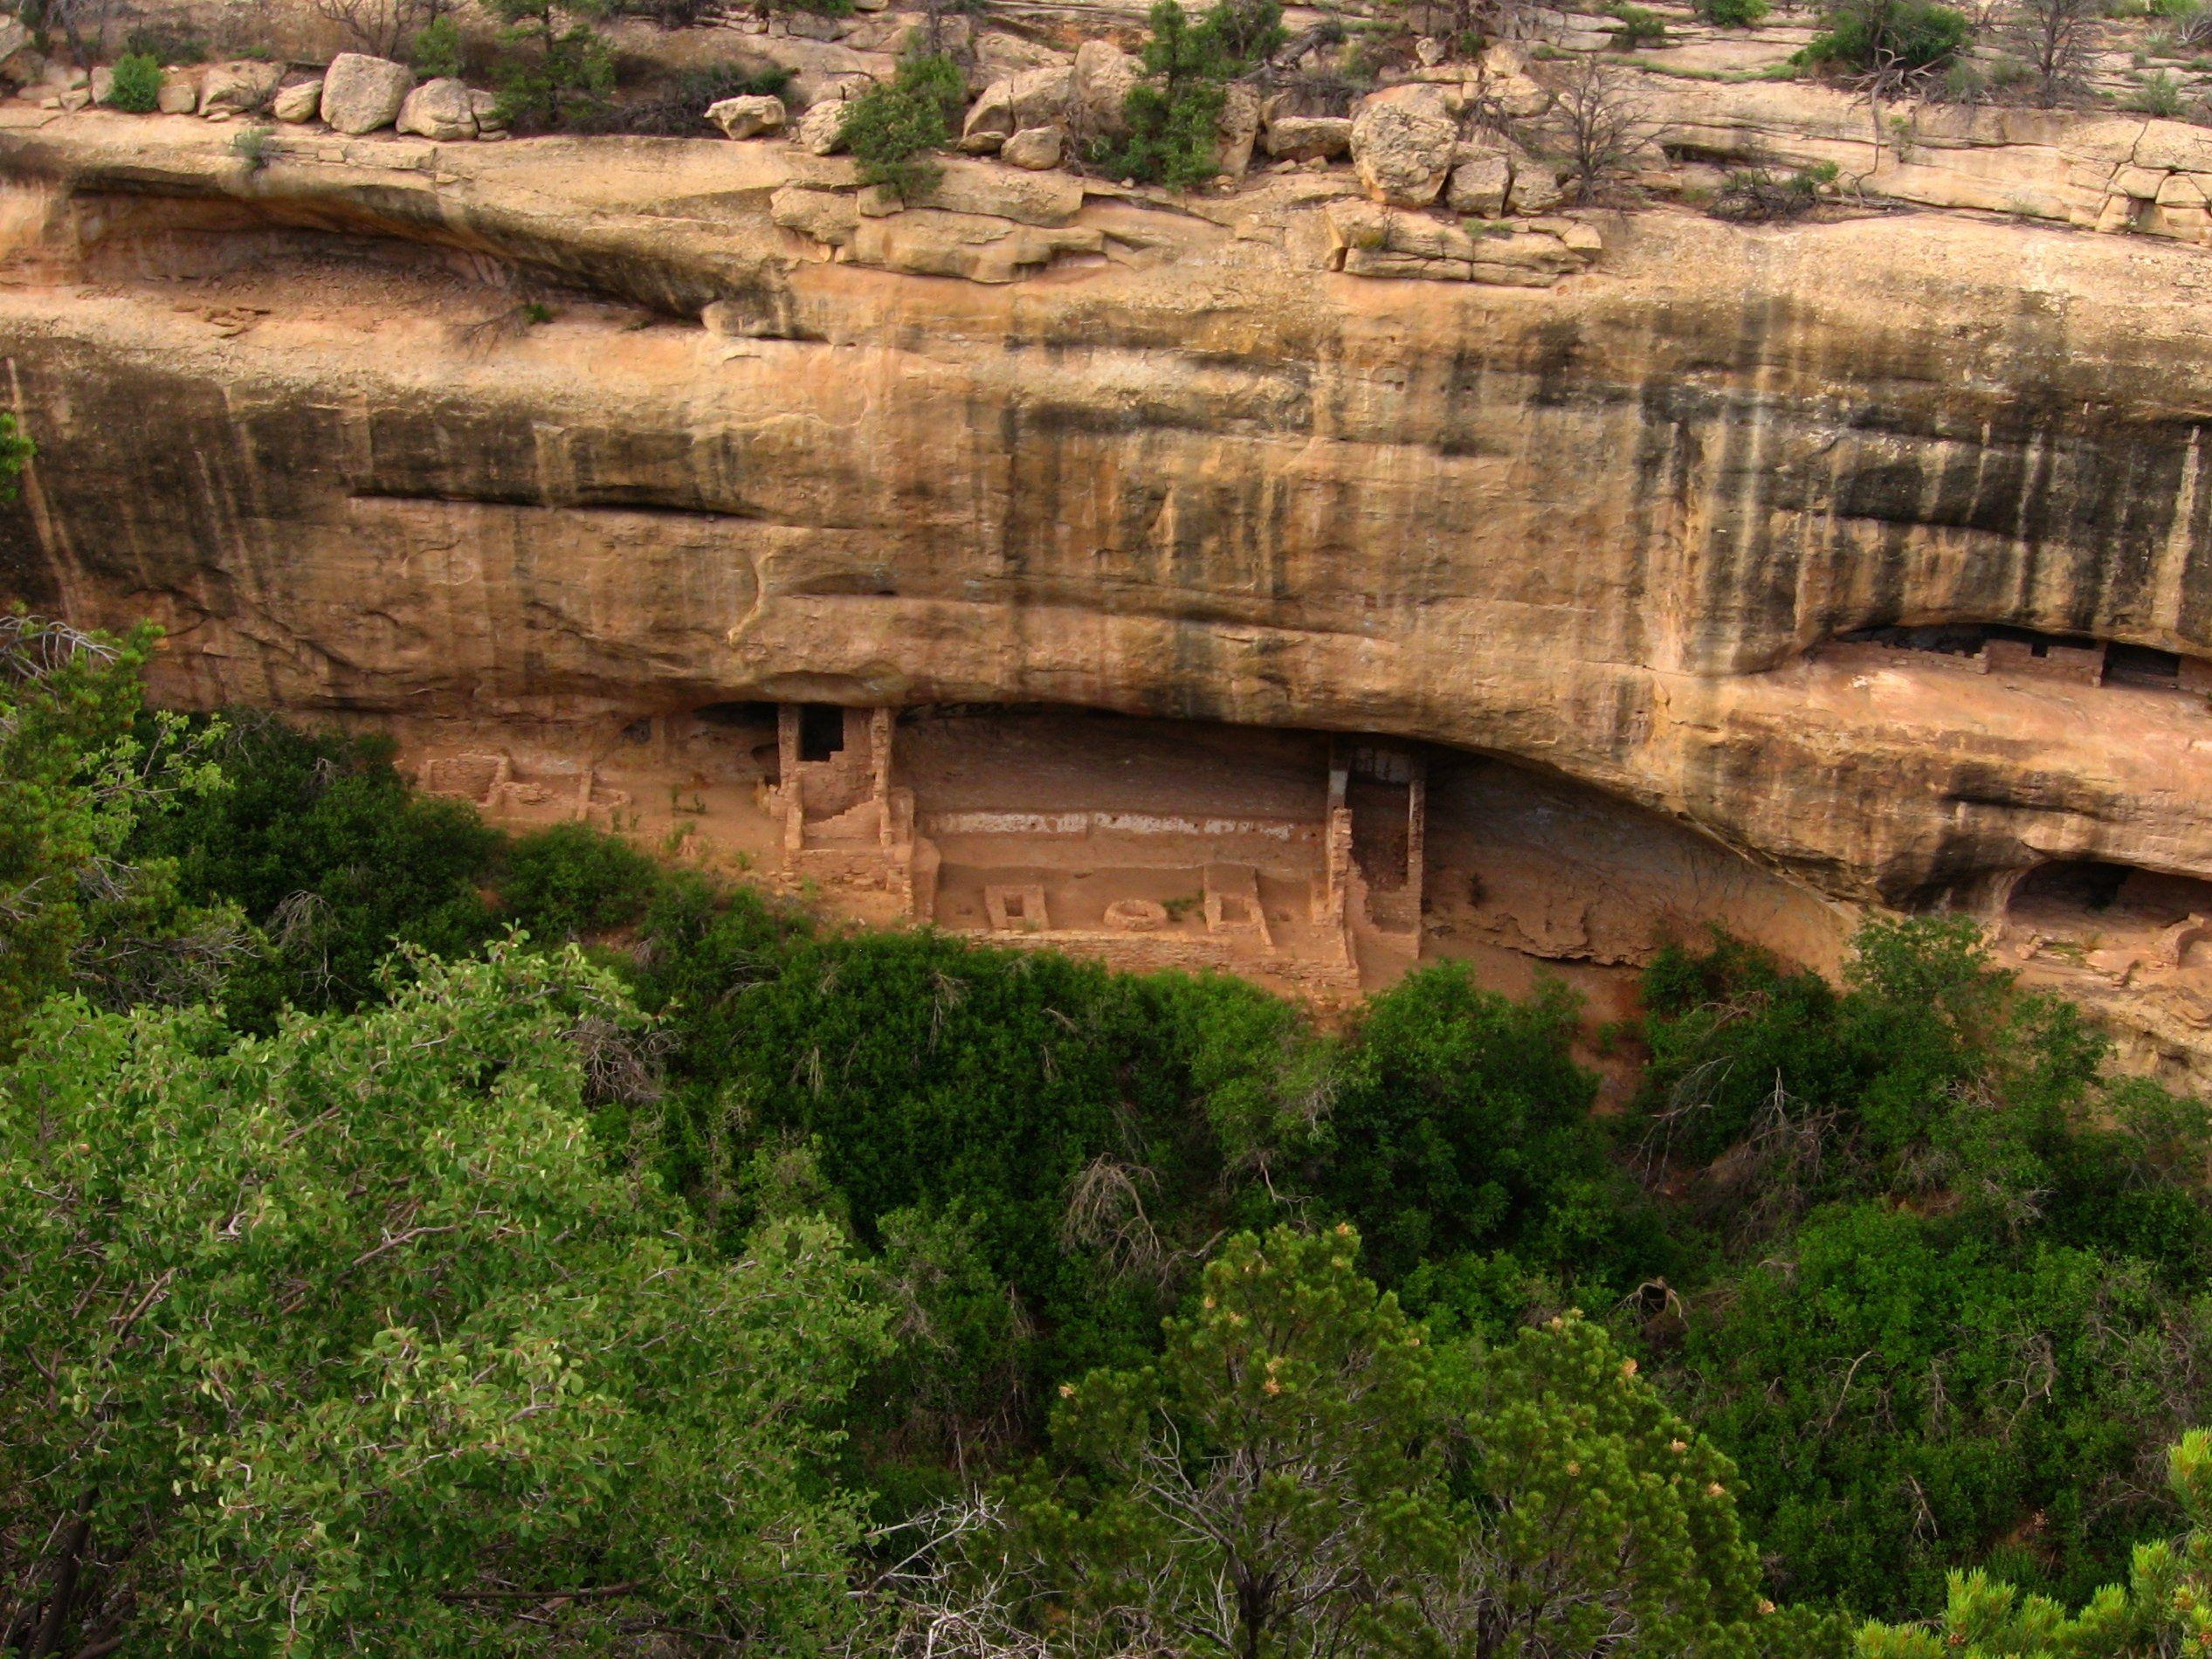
[1174, 115]
[570, 882]
[891, 129]
[550, 75]
[1733, 14]
[257, 147]
[2159, 94]
[437, 49]
[1908, 34]
[137, 88]
[1637, 27]
[330, 855]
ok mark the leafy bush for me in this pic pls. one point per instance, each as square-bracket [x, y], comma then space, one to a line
[1461, 1126]
[570, 881]
[551, 75]
[1174, 115]
[137, 88]
[1733, 14]
[1637, 27]
[1904, 35]
[891, 129]
[2159, 94]
[353, 1328]
[1304, 1460]
[330, 855]
[436, 54]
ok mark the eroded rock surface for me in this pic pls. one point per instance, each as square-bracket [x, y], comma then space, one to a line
[1611, 528]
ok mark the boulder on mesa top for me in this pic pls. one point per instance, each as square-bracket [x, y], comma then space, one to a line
[1104, 76]
[301, 102]
[102, 85]
[1002, 192]
[1481, 185]
[821, 130]
[238, 88]
[990, 119]
[1403, 143]
[747, 117]
[179, 93]
[1001, 55]
[439, 109]
[17, 50]
[1037, 148]
[1307, 138]
[490, 118]
[1239, 127]
[361, 93]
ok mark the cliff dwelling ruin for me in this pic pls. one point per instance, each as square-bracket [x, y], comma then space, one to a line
[1321, 865]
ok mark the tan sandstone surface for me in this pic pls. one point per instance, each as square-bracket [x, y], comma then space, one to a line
[1185, 467]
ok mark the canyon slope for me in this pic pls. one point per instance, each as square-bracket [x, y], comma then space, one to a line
[1667, 531]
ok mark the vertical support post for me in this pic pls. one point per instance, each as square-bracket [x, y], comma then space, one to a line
[1416, 833]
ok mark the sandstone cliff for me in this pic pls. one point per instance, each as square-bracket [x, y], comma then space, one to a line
[1609, 528]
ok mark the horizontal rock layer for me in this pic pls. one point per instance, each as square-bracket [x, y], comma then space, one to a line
[1597, 527]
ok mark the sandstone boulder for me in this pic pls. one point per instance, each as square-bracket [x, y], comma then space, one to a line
[361, 93]
[821, 130]
[990, 119]
[1040, 97]
[976, 247]
[1480, 185]
[16, 53]
[747, 117]
[238, 88]
[1307, 138]
[1000, 56]
[1037, 148]
[438, 109]
[490, 118]
[1535, 187]
[1104, 76]
[808, 25]
[1239, 127]
[1505, 84]
[984, 188]
[179, 93]
[300, 103]
[103, 84]
[825, 215]
[1403, 143]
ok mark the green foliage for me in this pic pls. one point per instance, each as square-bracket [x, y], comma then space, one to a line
[551, 74]
[2159, 94]
[17, 451]
[75, 780]
[1065, 1118]
[1733, 14]
[437, 51]
[570, 881]
[2165, 1607]
[321, 844]
[1461, 1126]
[257, 147]
[1865, 36]
[1892, 1364]
[1303, 1460]
[1174, 115]
[1637, 27]
[351, 1329]
[137, 88]
[892, 129]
